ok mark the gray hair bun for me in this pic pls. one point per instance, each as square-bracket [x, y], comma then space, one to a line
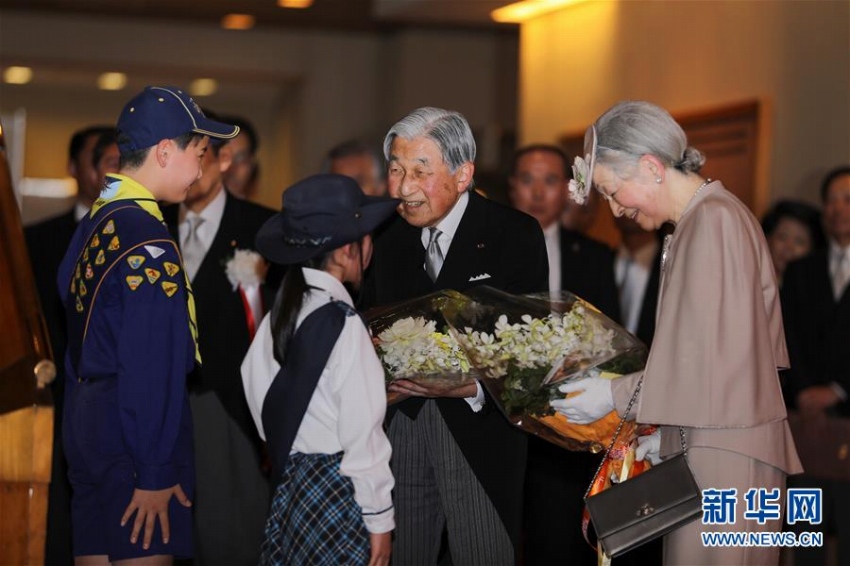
[692, 161]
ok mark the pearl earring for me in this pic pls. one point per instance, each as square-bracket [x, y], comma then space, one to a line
[658, 180]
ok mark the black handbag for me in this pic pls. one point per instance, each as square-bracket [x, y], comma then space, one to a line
[647, 506]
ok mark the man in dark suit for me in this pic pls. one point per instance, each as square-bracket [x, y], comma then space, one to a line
[637, 269]
[816, 313]
[457, 461]
[556, 479]
[242, 178]
[362, 162]
[215, 232]
[47, 242]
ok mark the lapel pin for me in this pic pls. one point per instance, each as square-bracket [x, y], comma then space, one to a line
[480, 246]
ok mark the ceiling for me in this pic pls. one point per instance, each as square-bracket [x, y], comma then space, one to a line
[352, 15]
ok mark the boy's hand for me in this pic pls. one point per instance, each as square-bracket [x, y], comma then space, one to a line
[150, 505]
[382, 547]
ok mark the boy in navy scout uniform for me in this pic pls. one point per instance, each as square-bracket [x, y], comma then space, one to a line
[131, 342]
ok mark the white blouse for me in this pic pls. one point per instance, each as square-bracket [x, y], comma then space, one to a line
[346, 412]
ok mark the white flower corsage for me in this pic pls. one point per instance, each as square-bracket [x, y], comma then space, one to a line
[580, 185]
[246, 268]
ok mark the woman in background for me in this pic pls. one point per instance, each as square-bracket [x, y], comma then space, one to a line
[793, 229]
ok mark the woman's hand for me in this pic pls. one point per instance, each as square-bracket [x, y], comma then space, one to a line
[649, 448]
[593, 400]
[150, 506]
[382, 548]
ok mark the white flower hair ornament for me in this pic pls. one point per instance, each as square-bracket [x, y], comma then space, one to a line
[579, 185]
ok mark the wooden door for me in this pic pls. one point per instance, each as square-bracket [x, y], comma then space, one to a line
[26, 408]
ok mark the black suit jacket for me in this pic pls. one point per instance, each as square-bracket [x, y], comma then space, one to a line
[649, 306]
[587, 270]
[47, 242]
[556, 478]
[817, 328]
[493, 240]
[646, 318]
[222, 327]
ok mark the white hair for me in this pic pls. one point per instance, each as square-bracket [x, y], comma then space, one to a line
[449, 130]
[634, 128]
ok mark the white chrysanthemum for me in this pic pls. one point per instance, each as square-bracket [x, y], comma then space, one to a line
[246, 268]
[412, 347]
[407, 330]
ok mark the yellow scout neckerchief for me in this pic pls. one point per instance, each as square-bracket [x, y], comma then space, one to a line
[127, 189]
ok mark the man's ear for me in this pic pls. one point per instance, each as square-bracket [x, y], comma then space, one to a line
[463, 176]
[72, 168]
[225, 157]
[163, 151]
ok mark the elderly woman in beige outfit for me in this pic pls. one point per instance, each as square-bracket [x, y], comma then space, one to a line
[713, 365]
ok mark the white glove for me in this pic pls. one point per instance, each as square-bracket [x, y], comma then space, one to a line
[649, 448]
[594, 402]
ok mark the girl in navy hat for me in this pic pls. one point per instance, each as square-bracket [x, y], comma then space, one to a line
[315, 386]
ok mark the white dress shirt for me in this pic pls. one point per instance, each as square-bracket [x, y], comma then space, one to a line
[448, 228]
[552, 234]
[839, 267]
[212, 215]
[839, 262]
[346, 412]
[80, 210]
[632, 271]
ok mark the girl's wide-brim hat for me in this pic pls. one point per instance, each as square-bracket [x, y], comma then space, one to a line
[321, 213]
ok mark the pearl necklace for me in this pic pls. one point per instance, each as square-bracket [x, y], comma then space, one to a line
[669, 237]
[701, 187]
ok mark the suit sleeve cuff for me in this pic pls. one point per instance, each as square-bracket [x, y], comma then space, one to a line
[476, 403]
[838, 390]
[154, 478]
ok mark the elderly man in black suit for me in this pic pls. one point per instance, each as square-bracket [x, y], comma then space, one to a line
[215, 232]
[556, 479]
[457, 461]
[816, 313]
[47, 242]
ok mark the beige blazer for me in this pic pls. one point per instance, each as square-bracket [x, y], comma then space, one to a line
[719, 338]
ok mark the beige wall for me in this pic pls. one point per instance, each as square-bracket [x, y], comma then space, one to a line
[304, 90]
[694, 55]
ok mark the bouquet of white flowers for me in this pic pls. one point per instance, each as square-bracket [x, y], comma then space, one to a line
[526, 346]
[413, 342]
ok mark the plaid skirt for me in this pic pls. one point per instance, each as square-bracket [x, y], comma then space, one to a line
[314, 518]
